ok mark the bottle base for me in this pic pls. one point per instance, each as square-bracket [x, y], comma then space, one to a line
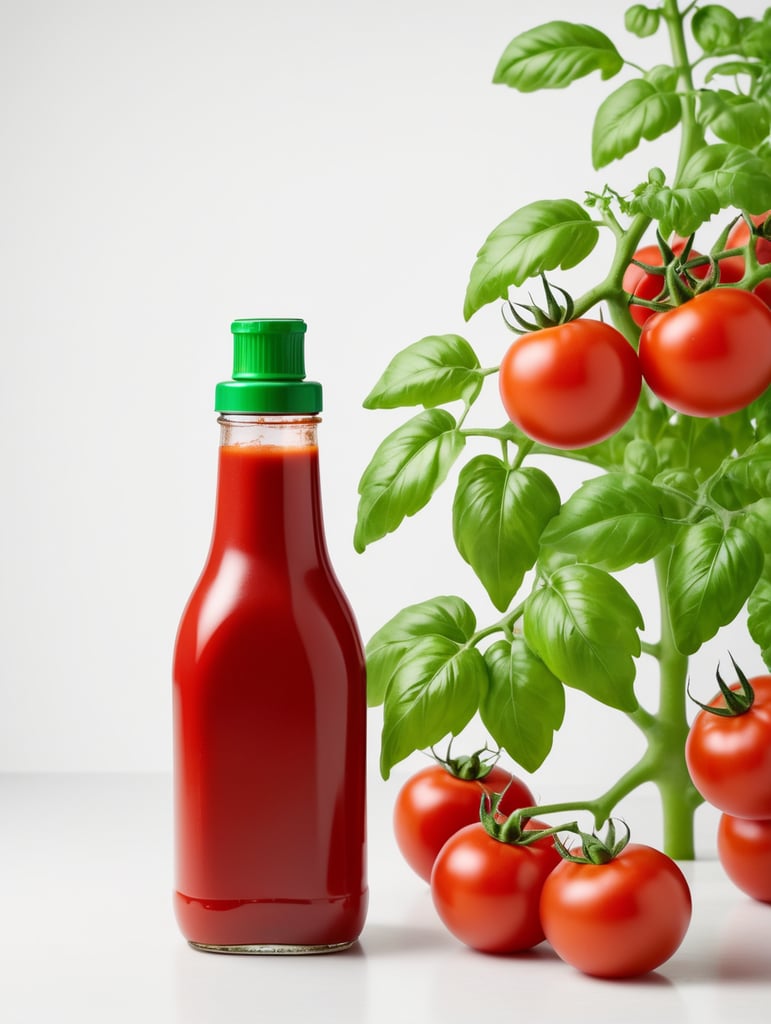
[271, 948]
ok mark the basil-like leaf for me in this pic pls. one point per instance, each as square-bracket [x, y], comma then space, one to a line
[736, 175]
[552, 56]
[523, 704]
[584, 626]
[711, 574]
[733, 118]
[614, 521]
[759, 614]
[745, 479]
[635, 111]
[541, 236]
[715, 28]
[498, 516]
[642, 21]
[434, 370]
[404, 472]
[680, 210]
[447, 617]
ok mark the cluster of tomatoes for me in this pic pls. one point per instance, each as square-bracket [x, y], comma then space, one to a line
[619, 914]
[576, 383]
[728, 753]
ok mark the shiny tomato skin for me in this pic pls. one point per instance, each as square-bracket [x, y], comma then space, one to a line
[487, 892]
[433, 804]
[710, 356]
[729, 759]
[571, 385]
[744, 849]
[642, 285]
[620, 919]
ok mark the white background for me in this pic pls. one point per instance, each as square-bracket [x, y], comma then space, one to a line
[169, 166]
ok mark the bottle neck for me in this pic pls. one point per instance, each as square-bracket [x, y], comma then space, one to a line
[268, 492]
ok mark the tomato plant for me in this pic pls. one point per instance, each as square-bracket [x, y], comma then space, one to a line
[620, 918]
[434, 803]
[570, 385]
[733, 268]
[643, 284]
[487, 891]
[728, 750]
[744, 849]
[688, 495]
[711, 356]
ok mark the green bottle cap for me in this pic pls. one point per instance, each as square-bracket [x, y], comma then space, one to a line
[268, 370]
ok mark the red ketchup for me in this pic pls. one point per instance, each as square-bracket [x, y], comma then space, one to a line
[269, 686]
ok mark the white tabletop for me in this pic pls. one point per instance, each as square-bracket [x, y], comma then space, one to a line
[88, 935]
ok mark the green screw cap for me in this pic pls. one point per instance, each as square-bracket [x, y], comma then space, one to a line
[268, 370]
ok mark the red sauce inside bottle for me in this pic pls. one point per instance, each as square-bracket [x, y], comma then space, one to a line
[269, 717]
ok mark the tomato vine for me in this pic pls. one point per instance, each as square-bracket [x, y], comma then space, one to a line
[690, 495]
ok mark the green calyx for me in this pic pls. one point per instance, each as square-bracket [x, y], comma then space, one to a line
[269, 370]
[594, 848]
[471, 767]
[552, 316]
[737, 702]
[512, 829]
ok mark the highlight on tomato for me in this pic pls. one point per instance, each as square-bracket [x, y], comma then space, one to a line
[618, 910]
[570, 385]
[744, 849]
[487, 880]
[728, 748]
[710, 356]
[442, 798]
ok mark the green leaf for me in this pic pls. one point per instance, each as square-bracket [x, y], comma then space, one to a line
[680, 210]
[498, 516]
[710, 443]
[635, 111]
[552, 56]
[584, 627]
[745, 479]
[437, 369]
[737, 176]
[733, 68]
[759, 614]
[614, 521]
[756, 520]
[406, 469]
[538, 237]
[715, 28]
[755, 38]
[663, 76]
[711, 574]
[523, 704]
[642, 21]
[449, 618]
[733, 118]
[434, 689]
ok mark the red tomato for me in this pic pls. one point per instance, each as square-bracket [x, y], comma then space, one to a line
[571, 385]
[487, 892]
[619, 919]
[433, 804]
[729, 758]
[712, 355]
[732, 267]
[744, 848]
[643, 285]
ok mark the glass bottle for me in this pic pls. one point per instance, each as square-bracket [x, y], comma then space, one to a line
[269, 684]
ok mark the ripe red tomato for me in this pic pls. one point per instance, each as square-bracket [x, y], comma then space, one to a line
[434, 804]
[729, 758]
[712, 355]
[643, 285]
[572, 385]
[619, 919]
[744, 849]
[487, 892]
[732, 267]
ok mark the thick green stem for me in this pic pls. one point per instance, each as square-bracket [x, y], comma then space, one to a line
[679, 798]
[692, 137]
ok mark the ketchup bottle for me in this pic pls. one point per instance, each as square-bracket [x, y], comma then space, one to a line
[269, 685]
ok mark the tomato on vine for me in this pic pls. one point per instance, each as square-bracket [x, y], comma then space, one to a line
[616, 912]
[640, 283]
[744, 849]
[732, 267]
[486, 887]
[437, 801]
[570, 385]
[728, 749]
[710, 356]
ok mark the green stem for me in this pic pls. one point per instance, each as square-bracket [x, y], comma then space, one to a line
[692, 137]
